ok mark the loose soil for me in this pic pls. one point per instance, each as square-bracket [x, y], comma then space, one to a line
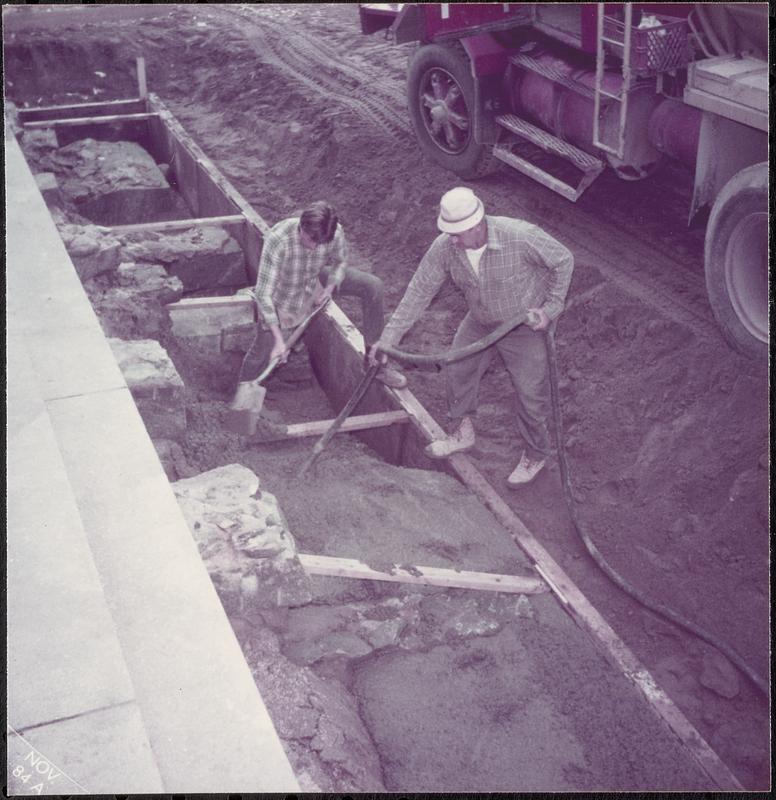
[665, 426]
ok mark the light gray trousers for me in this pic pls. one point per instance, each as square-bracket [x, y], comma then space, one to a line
[524, 353]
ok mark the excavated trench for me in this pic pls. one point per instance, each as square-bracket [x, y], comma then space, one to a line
[348, 643]
[371, 685]
[375, 684]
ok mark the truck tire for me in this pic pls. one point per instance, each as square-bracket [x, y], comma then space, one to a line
[736, 260]
[441, 100]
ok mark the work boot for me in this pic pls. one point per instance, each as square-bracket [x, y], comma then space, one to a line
[526, 470]
[391, 377]
[462, 439]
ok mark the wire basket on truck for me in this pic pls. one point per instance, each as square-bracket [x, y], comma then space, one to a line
[663, 46]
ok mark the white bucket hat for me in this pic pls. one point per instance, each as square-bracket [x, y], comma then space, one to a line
[459, 210]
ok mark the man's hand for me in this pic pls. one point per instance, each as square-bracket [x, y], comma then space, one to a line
[374, 356]
[279, 349]
[322, 294]
[537, 319]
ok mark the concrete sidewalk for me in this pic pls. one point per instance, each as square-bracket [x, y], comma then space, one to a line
[124, 675]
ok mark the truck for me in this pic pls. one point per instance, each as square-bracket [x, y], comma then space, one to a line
[562, 91]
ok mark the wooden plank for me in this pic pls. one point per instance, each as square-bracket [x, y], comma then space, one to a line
[359, 422]
[424, 576]
[142, 86]
[134, 106]
[54, 123]
[193, 303]
[177, 224]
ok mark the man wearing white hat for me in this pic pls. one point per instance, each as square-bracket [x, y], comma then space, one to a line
[504, 267]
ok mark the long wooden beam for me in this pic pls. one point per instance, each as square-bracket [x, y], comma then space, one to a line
[52, 123]
[237, 301]
[358, 422]
[426, 576]
[577, 605]
[133, 106]
[176, 224]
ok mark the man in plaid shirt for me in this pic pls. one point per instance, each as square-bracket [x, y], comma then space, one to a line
[505, 267]
[303, 262]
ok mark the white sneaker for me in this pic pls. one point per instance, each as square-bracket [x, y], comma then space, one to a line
[526, 470]
[462, 439]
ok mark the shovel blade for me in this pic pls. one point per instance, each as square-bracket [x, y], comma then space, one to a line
[243, 414]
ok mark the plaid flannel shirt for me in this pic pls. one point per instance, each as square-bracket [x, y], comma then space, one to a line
[288, 272]
[522, 267]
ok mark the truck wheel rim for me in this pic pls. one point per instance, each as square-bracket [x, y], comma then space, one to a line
[746, 273]
[444, 111]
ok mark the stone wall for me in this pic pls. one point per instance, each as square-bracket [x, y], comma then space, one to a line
[202, 258]
[111, 183]
[251, 556]
[243, 540]
[156, 387]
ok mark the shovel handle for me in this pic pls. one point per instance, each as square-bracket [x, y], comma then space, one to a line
[292, 340]
[358, 393]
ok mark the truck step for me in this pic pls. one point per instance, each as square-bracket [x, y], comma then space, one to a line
[552, 74]
[590, 166]
[551, 144]
[573, 193]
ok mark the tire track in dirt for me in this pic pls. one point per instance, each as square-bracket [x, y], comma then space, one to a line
[325, 71]
[645, 271]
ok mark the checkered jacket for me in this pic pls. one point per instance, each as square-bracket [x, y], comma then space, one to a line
[522, 267]
[288, 272]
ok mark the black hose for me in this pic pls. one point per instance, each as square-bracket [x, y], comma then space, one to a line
[459, 353]
[595, 554]
[456, 355]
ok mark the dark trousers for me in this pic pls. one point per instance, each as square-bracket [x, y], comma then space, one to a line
[368, 288]
[525, 356]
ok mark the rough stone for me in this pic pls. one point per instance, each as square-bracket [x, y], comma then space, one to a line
[49, 188]
[92, 251]
[523, 607]
[115, 183]
[471, 621]
[243, 539]
[173, 459]
[333, 644]
[719, 675]
[37, 144]
[326, 742]
[315, 621]
[123, 315]
[345, 644]
[150, 280]
[383, 634]
[155, 385]
[203, 258]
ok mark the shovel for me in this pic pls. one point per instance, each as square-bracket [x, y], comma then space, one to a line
[358, 393]
[243, 414]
